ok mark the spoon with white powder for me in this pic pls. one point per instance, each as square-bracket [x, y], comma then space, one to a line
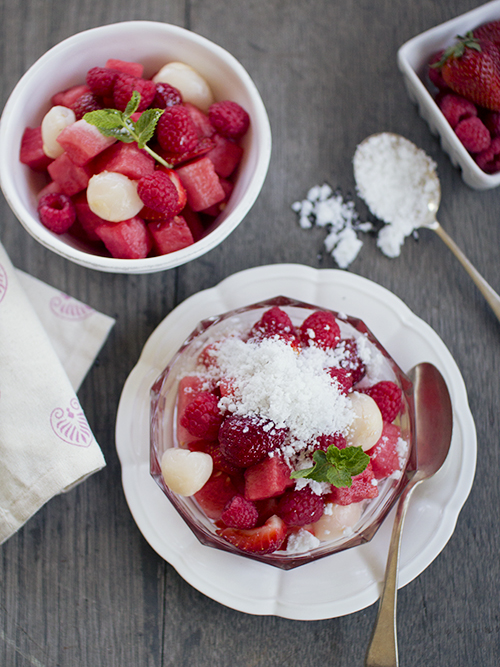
[399, 183]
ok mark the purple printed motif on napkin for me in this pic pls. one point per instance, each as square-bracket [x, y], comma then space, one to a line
[71, 426]
[3, 282]
[68, 308]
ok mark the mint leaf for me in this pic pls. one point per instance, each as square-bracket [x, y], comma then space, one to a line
[335, 466]
[118, 124]
[146, 125]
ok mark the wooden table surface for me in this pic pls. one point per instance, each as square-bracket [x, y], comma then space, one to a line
[79, 584]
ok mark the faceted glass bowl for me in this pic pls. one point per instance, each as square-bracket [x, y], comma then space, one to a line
[163, 432]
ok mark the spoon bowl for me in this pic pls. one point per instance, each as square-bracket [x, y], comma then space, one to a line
[426, 201]
[433, 431]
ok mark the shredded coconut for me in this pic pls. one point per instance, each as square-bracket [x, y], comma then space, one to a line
[301, 541]
[392, 177]
[290, 389]
[324, 208]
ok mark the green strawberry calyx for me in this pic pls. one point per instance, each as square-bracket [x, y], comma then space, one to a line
[457, 50]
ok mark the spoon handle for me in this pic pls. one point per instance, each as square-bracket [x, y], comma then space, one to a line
[383, 646]
[486, 290]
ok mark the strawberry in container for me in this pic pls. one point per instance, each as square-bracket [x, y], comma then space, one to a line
[136, 167]
[281, 432]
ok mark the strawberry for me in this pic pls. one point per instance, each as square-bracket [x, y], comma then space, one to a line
[262, 540]
[489, 31]
[471, 67]
[214, 496]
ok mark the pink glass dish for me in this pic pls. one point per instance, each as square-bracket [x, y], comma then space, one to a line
[162, 434]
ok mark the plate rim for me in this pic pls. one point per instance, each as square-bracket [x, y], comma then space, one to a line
[232, 290]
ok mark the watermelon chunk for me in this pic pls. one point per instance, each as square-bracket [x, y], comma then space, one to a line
[267, 479]
[216, 209]
[129, 239]
[126, 159]
[66, 98]
[194, 223]
[384, 454]
[362, 488]
[70, 177]
[171, 235]
[226, 155]
[216, 493]
[31, 152]
[48, 189]
[204, 127]
[88, 220]
[132, 68]
[202, 184]
[83, 141]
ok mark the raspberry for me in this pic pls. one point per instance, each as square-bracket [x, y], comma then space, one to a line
[274, 323]
[202, 417]
[245, 440]
[320, 329]
[229, 119]
[298, 508]
[159, 194]
[456, 108]
[124, 86]
[489, 160]
[176, 131]
[343, 379]
[56, 212]
[166, 96]
[351, 360]
[85, 104]
[387, 395]
[473, 134]
[101, 80]
[240, 513]
[324, 441]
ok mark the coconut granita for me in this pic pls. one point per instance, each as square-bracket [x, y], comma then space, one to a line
[286, 427]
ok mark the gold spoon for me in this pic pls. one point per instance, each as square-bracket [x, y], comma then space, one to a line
[433, 430]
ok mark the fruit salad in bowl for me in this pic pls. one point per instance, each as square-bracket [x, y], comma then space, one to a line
[145, 147]
[281, 432]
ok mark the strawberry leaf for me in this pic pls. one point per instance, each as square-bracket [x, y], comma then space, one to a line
[335, 466]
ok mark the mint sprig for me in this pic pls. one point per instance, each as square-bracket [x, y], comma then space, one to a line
[335, 466]
[119, 124]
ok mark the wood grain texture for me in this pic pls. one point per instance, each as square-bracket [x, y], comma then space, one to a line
[79, 585]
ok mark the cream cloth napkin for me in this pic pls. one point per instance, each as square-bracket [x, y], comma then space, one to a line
[48, 341]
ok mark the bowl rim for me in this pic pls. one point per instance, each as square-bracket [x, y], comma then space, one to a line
[46, 238]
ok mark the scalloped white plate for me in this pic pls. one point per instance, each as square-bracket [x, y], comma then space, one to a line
[339, 584]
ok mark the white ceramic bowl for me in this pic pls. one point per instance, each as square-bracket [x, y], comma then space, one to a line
[413, 57]
[152, 44]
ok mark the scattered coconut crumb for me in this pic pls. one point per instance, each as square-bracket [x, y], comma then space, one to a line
[324, 208]
[301, 541]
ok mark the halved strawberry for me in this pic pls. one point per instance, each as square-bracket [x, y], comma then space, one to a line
[262, 540]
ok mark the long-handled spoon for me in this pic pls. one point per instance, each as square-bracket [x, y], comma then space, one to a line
[433, 428]
[431, 197]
